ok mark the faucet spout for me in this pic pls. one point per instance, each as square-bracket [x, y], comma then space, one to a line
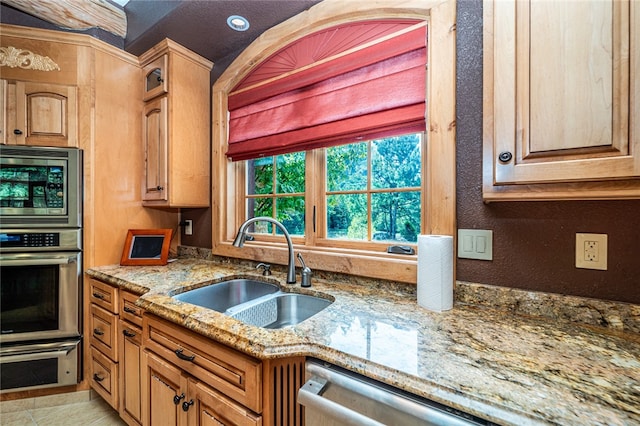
[241, 236]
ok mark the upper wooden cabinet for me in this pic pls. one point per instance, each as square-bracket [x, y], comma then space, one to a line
[176, 127]
[561, 99]
[155, 78]
[40, 114]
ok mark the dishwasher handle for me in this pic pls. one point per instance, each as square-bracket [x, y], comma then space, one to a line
[309, 396]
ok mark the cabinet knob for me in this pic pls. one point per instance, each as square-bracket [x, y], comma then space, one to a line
[505, 156]
[97, 378]
[98, 332]
[186, 405]
[17, 132]
[178, 398]
[159, 188]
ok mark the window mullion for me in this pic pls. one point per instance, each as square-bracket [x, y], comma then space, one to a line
[314, 197]
[369, 186]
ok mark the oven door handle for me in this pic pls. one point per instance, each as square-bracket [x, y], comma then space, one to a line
[37, 351]
[33, 260]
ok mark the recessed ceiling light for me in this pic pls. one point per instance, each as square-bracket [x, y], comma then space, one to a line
[238, 23]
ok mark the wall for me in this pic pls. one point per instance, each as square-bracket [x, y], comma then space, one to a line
[534, 242]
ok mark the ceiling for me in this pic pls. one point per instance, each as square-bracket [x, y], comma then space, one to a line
[200, 25]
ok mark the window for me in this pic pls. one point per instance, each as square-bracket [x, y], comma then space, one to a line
[371, 193]
[276, 189]
[373, 190]
[438, 155]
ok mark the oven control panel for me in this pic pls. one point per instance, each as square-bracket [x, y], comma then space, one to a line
[40, 240]
[11, 239]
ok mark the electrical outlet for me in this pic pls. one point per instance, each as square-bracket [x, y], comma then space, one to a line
[591, 251]
[188, 228]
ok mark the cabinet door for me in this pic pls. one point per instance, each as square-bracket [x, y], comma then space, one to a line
[104, 328]
[104, 376]
[165, 390]
[561, 91]
[211, 408]
[3, 111]
[130, 358]
[155, 81]
[155, 142]
[45, 115]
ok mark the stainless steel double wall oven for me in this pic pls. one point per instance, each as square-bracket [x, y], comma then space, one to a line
[40, 267]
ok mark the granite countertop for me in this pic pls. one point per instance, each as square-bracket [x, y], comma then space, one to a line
[506, 368]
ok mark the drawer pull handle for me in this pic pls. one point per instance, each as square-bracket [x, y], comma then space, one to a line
[186, 405]
[98, 332]
[177, 398]
[130, 310]
[97, 378]
[184, 357]
[128, 333]
[98, 296]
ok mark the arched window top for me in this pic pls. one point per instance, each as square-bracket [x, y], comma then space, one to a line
[364, 79]
[323, 45]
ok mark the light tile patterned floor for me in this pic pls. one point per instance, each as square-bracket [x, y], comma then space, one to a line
[80, 408]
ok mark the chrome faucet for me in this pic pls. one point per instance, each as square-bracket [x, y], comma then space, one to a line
[242, 236]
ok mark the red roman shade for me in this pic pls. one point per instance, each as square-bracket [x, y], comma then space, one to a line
[374, 89]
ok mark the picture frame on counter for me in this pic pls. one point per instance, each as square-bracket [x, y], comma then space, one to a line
[144, 247]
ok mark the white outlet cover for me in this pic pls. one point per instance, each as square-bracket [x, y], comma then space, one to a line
[591, 251]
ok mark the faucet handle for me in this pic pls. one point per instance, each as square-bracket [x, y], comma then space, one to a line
[306, 273]
[266, 268]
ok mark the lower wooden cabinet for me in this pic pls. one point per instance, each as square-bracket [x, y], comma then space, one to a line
[189, 378]
[171, 397]
[104, 377]
[130, 360]
[155, 372]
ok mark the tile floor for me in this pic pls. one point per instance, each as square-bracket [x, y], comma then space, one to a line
[84, 408]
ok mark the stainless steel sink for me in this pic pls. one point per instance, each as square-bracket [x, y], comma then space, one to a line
[279, 310]
[224, 295]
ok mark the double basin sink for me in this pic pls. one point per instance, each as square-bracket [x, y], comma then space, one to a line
[255, 302]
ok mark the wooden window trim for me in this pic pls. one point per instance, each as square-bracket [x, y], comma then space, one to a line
[439, 183]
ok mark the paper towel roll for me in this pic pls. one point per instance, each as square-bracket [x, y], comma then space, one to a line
[435, 272]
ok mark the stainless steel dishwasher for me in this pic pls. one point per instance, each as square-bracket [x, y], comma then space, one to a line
[334, 396]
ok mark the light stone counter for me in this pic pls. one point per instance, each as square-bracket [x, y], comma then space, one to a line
[506, 368]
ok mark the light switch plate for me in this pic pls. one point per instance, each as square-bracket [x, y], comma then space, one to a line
[475, 244]
[591, 251]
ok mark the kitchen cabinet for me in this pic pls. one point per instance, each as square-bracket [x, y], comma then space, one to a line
[116, 348]
[155, 78]
[561, 100]
[175, 398]
[103, 322]
[130, 358]
[41, 114]
[190, 379]
[175, 127]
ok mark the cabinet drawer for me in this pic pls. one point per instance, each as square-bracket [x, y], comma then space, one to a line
[103, 325]
[103, 295]
[215, 409]
[128, 309]
[233, 373]
[104, 377]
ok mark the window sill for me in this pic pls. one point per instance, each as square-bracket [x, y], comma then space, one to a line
[393, 267]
